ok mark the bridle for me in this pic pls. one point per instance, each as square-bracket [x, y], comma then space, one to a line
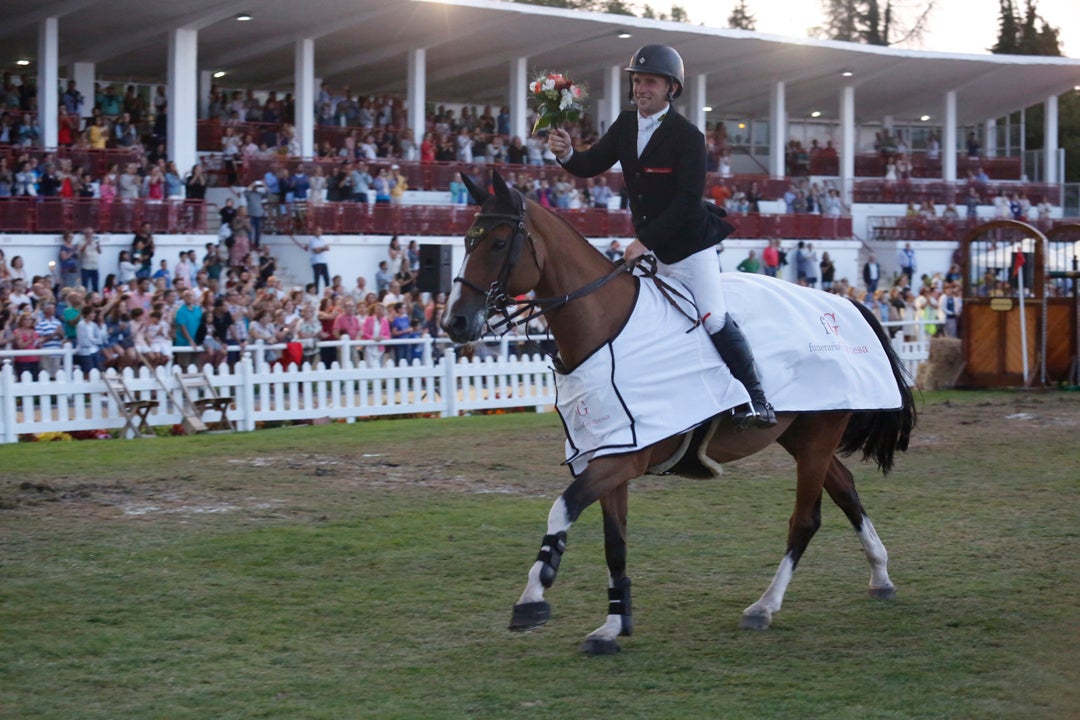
[497, 301]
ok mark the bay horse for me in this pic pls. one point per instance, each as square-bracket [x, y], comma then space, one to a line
[516, 246]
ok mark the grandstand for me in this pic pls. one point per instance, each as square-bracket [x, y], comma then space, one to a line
[754, 94]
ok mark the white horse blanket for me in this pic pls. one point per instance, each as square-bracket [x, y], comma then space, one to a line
[655, 379]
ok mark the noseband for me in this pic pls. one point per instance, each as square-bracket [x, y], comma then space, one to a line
[496, 298]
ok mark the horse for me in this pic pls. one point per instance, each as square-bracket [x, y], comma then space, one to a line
[516, 246]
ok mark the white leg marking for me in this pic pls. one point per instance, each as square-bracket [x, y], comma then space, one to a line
[557, 522]
[609, 630]
[773, 598]
[875, 554]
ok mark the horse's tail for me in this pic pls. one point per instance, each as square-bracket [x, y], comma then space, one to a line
[880, 433]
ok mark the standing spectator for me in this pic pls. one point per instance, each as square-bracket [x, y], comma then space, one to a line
[383, 277]
[750, 264]
[828, 272]
[871, 273]
[25, 337]
[770, 257]
[90, 338]
[399, 184]
[601, 193]
[50, 333]
[89, 260]
[614, 252]
[142, 251]
[375, 327]
[400, 328]
[906, 260]
[383, 186]
[68, 261]
[317, 249]
[186, 321]
[129, 183]
[255, 197]
[974, 147]
[347, 324]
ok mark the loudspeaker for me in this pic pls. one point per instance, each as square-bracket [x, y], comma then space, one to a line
[435, 275]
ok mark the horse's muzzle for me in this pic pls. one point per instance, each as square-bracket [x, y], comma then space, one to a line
[463, 327]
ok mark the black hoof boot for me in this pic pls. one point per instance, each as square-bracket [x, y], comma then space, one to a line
[528, 616]
[600, 646]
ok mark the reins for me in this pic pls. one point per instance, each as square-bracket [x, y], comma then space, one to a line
[499, 302]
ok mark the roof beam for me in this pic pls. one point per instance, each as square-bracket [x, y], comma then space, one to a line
[282, 40]
[17, 24]
[120, 46]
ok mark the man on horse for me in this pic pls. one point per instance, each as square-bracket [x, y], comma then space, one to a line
[663, 162]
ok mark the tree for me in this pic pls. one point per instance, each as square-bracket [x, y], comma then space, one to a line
[872, 22]
[1030, 35]
[1033, 35]
[741, 18]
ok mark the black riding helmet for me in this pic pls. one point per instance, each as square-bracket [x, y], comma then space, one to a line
[658, 60]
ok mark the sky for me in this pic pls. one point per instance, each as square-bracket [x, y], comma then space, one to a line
[958, 26]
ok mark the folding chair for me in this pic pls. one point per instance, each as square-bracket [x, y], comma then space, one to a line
[200, 396]
[134, 410]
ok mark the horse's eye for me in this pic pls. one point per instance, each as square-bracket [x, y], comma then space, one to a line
[500, 243]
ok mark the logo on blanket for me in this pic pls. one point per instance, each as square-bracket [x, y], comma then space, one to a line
[828, 321]
[582, 409]
[832, 327]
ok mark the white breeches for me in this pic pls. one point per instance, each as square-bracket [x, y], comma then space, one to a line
[700, 273]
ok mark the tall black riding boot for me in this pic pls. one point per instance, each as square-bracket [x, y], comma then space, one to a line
[736, 354]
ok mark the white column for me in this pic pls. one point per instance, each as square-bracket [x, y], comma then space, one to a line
[1050, 142]
[48, 88]
[698, 100]
[847, 142]
[990, 137]
[416, 94]
[206, 81]
[613, 95]
[304, 95]
[948, 142]
[182, 92]
[519, 98]
[83, 74]
[777, 128]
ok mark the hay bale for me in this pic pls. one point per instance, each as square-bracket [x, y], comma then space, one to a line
[943, 367]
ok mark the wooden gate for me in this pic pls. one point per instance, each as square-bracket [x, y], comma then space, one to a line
[1004, 263]
[1063, 304]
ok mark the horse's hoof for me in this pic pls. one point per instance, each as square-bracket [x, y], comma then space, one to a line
[600, 646]
[527, 616]
[882, 593]
[755, 621]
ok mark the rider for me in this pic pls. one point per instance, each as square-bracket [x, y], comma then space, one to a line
[663, 163]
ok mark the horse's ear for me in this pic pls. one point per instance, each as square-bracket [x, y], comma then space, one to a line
[480, 196]
[502, 190]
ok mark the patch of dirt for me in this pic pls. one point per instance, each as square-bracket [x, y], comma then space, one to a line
[285, 484]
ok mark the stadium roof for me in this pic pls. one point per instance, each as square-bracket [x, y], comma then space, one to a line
[364, 44]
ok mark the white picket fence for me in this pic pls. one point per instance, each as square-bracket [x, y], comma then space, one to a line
[267, 393]
[277, 394]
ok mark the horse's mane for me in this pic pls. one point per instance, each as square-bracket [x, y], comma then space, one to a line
[573, 230]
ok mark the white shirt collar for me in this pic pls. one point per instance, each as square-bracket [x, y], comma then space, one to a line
[655, 118]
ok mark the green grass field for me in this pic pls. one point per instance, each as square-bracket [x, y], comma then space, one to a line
[368, 571]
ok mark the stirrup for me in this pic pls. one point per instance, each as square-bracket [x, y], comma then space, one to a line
[751, 416]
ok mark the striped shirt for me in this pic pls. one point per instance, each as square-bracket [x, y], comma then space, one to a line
[46, 329]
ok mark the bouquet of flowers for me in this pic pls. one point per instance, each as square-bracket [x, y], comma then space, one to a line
[558, 100]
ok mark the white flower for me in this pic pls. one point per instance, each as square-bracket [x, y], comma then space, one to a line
[566, 100]
[549, 84]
